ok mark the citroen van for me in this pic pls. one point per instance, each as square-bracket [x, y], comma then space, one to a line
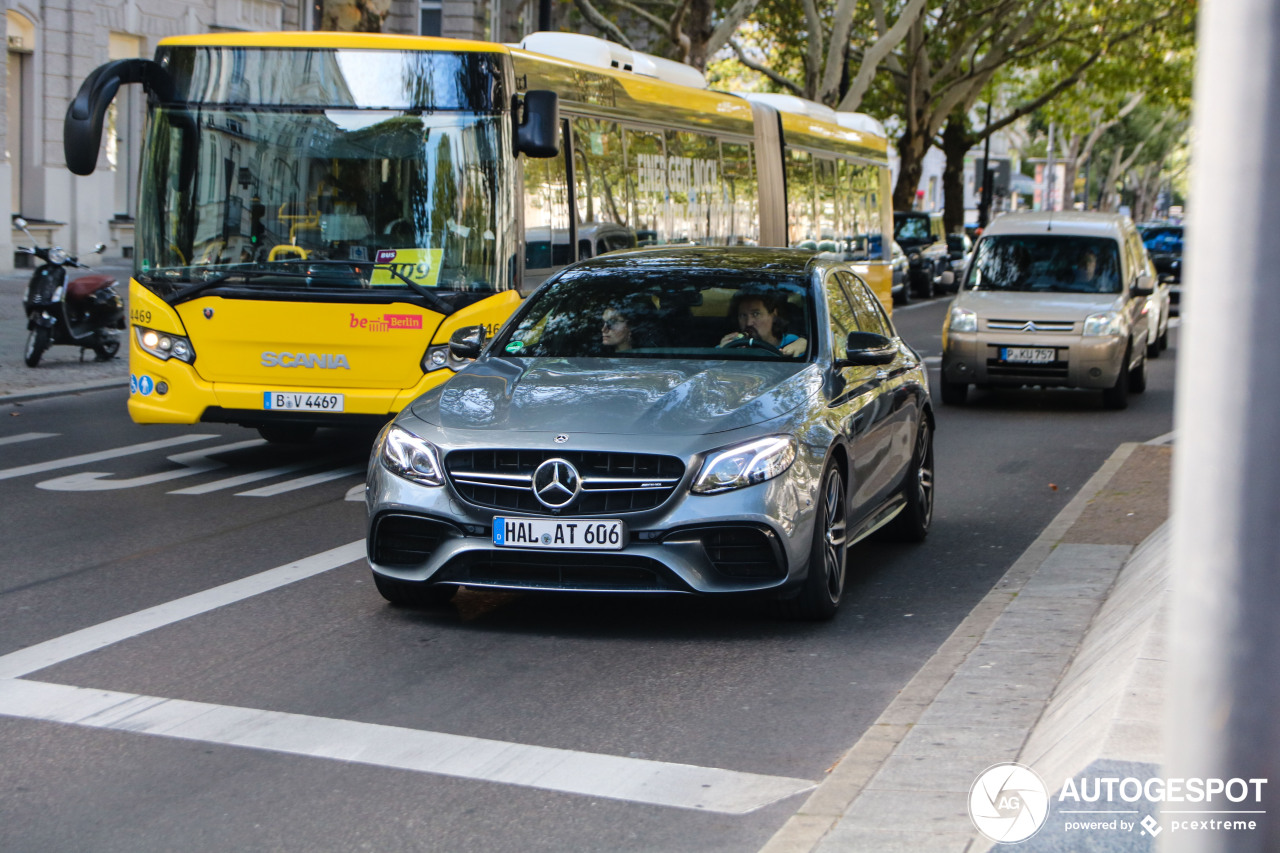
[1052, 299]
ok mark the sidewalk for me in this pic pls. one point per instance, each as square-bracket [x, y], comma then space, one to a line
[1060, 668]
[61, 369]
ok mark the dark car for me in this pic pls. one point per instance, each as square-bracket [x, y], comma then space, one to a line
[924, 239]
[959, 247]
[692, 420]
[1164, 246]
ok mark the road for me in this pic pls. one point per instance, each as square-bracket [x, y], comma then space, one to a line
[309, 715]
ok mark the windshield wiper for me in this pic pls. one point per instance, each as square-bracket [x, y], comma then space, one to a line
[433, 300]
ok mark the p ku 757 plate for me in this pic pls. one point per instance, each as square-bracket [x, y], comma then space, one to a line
[293, 400]
[1029, 355]
[560, 534]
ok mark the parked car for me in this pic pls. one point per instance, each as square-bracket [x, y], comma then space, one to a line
[1055, 299]
[1164, 245]
[924, 239]
[675, 420]
[959, 247]
[901, 268]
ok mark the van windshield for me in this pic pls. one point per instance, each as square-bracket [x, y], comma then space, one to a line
[1046, 263]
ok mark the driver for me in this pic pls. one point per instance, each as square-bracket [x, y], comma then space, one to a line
[760, 319]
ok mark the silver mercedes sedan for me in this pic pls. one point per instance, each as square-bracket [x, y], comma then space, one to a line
[685, 420]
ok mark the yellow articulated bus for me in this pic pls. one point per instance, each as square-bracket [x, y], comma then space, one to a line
[321, 212]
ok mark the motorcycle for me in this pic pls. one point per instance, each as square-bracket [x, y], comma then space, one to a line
[86, 312]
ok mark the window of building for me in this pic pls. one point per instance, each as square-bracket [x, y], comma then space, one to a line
[430, 18]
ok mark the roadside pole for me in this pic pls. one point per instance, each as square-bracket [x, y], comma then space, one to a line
[1225, 628]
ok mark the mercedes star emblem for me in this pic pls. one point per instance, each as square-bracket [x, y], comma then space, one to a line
[561, 438]
[556, 483]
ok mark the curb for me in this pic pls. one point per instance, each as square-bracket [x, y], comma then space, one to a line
[60, 390]
[830, 804]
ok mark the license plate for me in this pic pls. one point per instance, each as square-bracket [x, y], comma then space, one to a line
[293, 400]
[1031, 355]
[560, 534]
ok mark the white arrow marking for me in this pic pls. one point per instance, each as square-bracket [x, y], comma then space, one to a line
[86, 458]
[302, 482]
[193, 462]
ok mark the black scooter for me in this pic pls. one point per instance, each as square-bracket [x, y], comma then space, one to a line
[87, 312]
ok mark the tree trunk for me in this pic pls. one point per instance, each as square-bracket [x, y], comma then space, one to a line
[955, 145]
[912, 146]
[700, 31]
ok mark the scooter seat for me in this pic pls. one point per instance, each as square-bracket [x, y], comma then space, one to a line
[86, 286]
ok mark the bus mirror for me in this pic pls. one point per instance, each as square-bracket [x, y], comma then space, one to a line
[82, 128]
[537, 134]
[466, 343]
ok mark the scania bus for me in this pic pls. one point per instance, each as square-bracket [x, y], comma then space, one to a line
[320, 212]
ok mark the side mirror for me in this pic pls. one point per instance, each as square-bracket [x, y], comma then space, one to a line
[465, 344]
[864, 349]
[82, 127]
[537, 134]
[1142, 285]
[20, 223]
[100, 248]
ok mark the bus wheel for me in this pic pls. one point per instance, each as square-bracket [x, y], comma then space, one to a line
[287, 433]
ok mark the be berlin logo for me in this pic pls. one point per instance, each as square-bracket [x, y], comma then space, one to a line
[1009, 803]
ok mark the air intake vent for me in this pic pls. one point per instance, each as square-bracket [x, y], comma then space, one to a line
[407, 540]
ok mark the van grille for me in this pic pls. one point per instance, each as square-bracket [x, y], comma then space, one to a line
[1032, 326]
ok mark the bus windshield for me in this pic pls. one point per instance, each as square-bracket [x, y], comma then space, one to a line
[363, 203]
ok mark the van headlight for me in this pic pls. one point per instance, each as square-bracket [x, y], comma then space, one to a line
[1107, 323]
[962, 320]
[405, 455]
[745, 464]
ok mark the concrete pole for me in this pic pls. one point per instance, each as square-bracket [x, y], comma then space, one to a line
[1224, 718]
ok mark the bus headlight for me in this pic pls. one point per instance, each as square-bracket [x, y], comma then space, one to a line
[435, 358]
[405, 455]
[164, 345]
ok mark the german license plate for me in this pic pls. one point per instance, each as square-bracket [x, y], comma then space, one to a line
[293, 400]
[560, 534]
[1028, 355]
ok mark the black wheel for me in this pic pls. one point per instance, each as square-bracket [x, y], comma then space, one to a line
[912, 524]
[1117, 396]
[1163, 340]
[107, 349]
[823, 587]
[904, 296]
[954, 393]
[37, 343]
[1138, 378]
[410, 594]
[287, 433]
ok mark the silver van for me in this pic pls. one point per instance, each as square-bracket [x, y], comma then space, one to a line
[1052, 299]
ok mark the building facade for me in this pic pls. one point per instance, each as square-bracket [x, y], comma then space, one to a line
[54, 44]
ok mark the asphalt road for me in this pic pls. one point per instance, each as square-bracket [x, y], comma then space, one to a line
[757, 704]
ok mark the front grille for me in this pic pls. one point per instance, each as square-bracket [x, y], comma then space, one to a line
[611, 482]
[407, 540]
[1032, 326]
[743, 552]
[582, 572]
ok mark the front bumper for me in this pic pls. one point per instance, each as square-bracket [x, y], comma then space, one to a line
[751, 539]
[1080, 362]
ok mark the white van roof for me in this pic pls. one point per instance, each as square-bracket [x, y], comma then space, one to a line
[1077, 223]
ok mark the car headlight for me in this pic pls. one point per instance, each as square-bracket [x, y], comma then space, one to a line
[1106, 323]
[163, 345]
[963, 320]
[58, 255]
[405, 455]
[745, 465]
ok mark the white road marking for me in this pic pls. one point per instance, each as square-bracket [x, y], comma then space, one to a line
[567, 771]
[85, 458]
[356, 493]
[26, 436]
[192, 462]
[46, 654]
[242, 479]
[302, 482]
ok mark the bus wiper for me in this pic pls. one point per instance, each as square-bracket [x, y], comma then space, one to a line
[213, 279]
[426, 293]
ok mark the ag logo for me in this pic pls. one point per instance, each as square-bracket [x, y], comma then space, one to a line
[1008, 802]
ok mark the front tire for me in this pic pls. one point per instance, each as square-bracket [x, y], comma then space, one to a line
[107, 350]
[912, 524]
[823, 587]
[1117, 396]
[1138, 378]
[411, 594]
[37, 343]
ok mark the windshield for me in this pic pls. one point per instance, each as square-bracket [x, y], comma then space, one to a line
[1056, 264]
[912, 228]
[339, 185]
[697, 314]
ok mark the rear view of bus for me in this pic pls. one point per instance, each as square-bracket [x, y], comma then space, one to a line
[315, 220]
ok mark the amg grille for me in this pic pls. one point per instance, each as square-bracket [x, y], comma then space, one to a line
[743, 552]
[582, 572]
[611, 482]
